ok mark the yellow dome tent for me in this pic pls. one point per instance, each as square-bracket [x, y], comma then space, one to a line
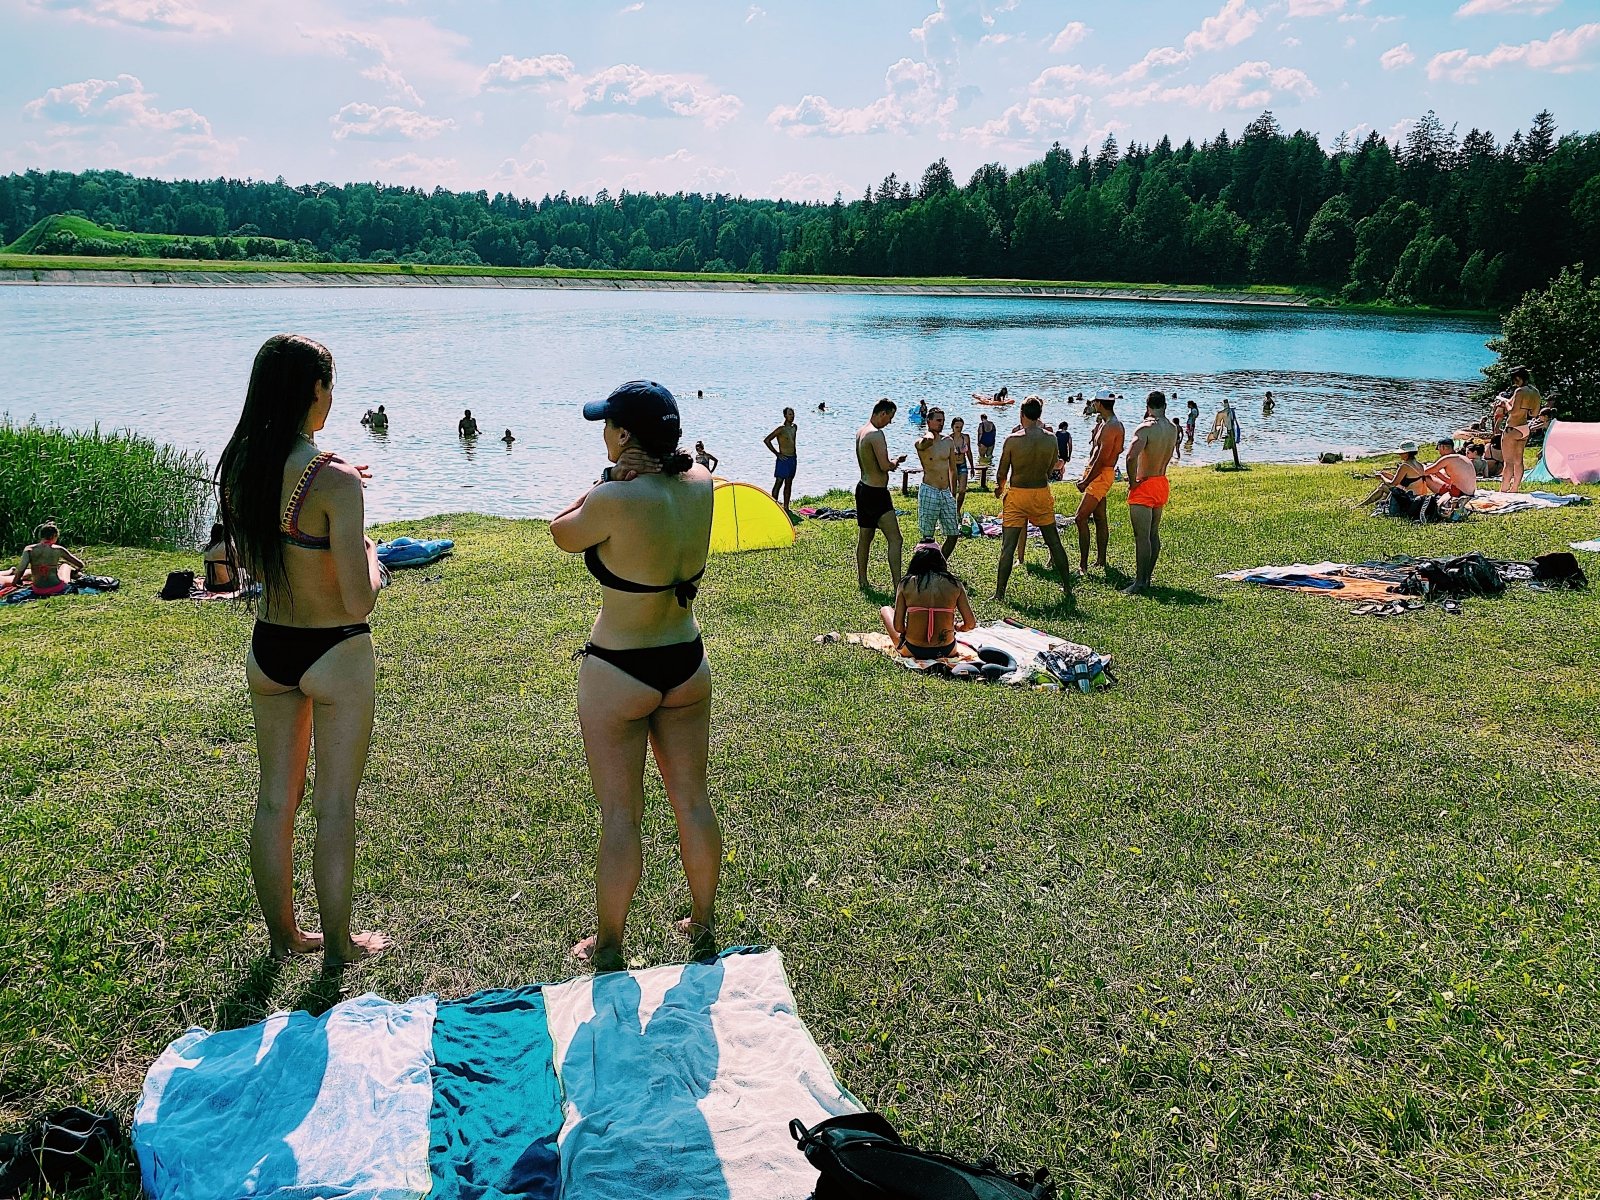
[746, 518]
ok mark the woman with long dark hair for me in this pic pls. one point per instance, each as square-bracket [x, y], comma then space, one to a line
[296, 515]
[930, 607]
[645, 532]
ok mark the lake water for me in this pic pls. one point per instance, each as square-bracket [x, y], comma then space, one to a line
[173, 364]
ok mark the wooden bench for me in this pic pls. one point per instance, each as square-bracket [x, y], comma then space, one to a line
[983, 477]
[905, 479]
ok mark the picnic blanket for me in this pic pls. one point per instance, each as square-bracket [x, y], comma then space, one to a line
[675, 1082]
[1493, 503]
[1592, 545]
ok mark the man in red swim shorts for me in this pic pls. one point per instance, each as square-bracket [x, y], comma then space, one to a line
[1153, 444]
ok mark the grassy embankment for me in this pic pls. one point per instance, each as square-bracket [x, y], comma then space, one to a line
[147, 245]
[20, 256]
[1305, 905]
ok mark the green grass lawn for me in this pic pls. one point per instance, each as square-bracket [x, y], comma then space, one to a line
[146, 244]
[1305, 905]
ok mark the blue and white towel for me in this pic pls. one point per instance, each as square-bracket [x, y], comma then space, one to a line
[679, 1081]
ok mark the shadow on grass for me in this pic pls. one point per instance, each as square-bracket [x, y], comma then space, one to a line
[322, 993]
[250, 999]
[1178, 596]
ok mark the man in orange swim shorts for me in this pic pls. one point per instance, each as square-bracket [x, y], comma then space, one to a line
[1154, 442]
[1105, 447]
[1023, 478]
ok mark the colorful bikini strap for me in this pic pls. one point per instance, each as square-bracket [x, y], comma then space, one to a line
[290, 524]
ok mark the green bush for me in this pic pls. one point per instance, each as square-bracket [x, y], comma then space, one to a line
[110, 489]
[1555, 333]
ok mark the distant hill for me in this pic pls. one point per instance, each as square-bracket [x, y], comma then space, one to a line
[79, 235]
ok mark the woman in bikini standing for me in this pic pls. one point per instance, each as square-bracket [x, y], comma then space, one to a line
[296, 516]
[1521, 410]
[644, 532]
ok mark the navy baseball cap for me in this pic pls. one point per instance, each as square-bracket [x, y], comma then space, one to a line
[641, 406]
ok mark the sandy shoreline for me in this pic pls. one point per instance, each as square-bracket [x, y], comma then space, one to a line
[93, 277]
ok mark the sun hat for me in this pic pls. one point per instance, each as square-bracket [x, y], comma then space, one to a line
[1408, 447]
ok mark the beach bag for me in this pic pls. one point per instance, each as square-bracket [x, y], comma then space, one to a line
[861, 1157]
[1422, 509]
[179, 585]
[1559, 569]
[59, 1151]
[1465, 575]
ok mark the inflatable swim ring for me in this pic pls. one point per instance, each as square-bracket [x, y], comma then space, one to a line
[410, 552]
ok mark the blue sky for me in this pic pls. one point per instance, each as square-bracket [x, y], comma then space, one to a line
[764, 99]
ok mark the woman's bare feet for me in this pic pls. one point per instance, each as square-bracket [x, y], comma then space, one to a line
[601, 959]
[702, 939]
[366, 944]
[300, 942]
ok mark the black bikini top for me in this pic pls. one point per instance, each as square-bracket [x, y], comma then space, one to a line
[685, 591]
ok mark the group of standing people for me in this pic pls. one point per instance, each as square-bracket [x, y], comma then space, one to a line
[295, 514]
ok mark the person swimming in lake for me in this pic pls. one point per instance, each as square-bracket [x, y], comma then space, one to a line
[297, 516]
[380, 421]
[930, 607]
[705, 458]
[41, 565]
[645, 682]
[509, 438]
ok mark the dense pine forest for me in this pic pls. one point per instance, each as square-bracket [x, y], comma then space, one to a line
[1437, 219]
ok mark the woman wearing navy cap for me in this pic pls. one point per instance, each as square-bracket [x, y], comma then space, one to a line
[644, 675]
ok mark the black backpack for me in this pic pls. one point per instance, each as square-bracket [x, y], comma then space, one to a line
[59, 1151]
[1559, 569]
[1422, 509]
[179, 586]
[861, 1157]
[1465, 575]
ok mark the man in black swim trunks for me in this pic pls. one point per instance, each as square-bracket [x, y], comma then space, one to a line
[874, 505]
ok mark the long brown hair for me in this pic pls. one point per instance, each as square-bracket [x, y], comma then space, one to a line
[283, 387]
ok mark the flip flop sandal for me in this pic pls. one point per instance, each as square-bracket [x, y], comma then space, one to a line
[1368, 608]
[1452, 606]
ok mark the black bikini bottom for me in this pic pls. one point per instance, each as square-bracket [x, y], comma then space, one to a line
[660, 667]
[286, 652]
[932, 651]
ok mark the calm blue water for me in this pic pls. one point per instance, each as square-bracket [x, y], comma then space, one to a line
[174, 363]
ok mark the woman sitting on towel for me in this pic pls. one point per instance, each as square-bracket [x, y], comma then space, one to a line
[296, 516]
[42, 563]
[930, 608]
[222, 565]
[644, 532]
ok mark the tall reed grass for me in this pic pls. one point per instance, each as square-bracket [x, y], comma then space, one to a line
[115, 489]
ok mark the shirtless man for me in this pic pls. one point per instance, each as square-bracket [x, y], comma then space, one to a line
[936, 500]
[874, 505]
[1451, 474]
[44, 559]
[781, 442]
[1023, 480]
[1105, 447]
[467, 427]
[1521, 409]
[1155, 442]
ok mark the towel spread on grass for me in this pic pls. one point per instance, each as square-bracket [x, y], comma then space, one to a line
[496, 1103]
[678, 1081]
[295, 1106]
[1492, 503]
[1592, 545]
[681, 1081]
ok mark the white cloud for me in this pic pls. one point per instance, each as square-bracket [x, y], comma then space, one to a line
[1532, 8]
[367, 122]
[1069, 37]
[914, 96]
[508, 73]
[810, 186]
[1561, 53]
[630, 90]
[755, 13]
[1398, 56]
[1068, 78]
[1233, 23]
[515, 173]
[1291, 42]
[1037, 119]
[954, 24]
[394, 83]
[162, 16]
[1314, 8]
[632, 8]
[111, 102]
[414, 168]
[1249, 85]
